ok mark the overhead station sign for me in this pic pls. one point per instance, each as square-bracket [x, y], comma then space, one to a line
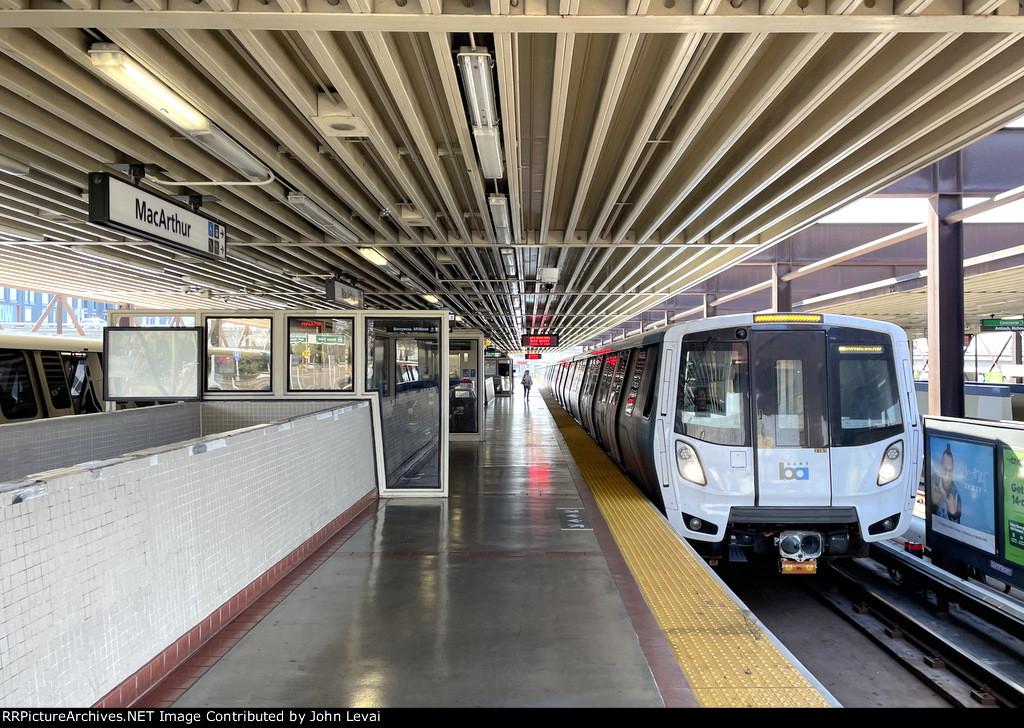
[1002, 324]
[531, 341]
[124, 207]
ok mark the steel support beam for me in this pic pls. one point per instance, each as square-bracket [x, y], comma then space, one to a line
[945, 306]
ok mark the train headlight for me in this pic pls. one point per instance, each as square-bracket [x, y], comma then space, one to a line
[892, 463]
[689, 464]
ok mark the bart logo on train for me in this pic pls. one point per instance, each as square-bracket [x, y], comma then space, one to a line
[787, 471]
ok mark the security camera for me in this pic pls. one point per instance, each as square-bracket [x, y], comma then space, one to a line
[549, 286]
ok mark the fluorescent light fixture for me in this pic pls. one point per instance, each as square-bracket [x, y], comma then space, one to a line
[379, 259]
[500, 218]
[374, 256]
[412, 284]
[488, 150]
[143, 86]
[13, 166]
[430, 298]
[219, 144]
[320, 217]
[508, 257]
[131, 77]
[477, 80]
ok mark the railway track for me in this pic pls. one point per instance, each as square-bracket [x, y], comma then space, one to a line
[960, 642]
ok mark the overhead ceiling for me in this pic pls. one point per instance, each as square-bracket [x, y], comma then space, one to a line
[647, 145]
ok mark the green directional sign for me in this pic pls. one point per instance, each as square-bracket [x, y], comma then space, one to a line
[1002, 324]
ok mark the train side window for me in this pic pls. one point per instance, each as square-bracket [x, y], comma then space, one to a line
[652, 383]
[56, 380]
[17, 398]
[634, 382]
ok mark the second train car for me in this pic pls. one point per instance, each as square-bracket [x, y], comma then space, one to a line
[792, 434]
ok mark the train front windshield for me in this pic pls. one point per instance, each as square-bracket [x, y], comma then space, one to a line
[798, 398]
[792, 395]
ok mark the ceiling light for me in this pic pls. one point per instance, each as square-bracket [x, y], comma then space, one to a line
[142, 85]
[500, 217]
[412, 284]
[379, 259]
[431, 298]
[488, 150]
[120, 68]
[374, 256]
[320, 217]
[477, 80]
[219, 144]
[13, 166]
[508, 257]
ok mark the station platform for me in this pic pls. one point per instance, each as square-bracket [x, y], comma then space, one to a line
[544, 580]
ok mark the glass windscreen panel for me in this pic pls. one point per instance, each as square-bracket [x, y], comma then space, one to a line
[404, 366]
[320, 354]
[712, 400]
[238, 354]
[866, 408]
[463, 385]
[151, 364]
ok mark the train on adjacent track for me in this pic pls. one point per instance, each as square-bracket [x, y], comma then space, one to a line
[49, 376]
[789, 434]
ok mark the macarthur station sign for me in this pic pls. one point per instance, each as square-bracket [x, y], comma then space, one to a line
[124, 207]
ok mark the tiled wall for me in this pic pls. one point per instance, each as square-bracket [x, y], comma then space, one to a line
[230, 415]
[111, 565]
[39, 445]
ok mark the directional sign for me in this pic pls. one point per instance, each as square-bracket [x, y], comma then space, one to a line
[1002, 324]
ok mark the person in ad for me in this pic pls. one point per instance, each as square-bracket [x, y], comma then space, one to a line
[946, 501]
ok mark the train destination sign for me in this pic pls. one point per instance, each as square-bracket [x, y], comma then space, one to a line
[124, 207]
[532, 341]
[1002, 324]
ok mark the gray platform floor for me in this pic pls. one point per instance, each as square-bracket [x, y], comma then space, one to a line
[481, 599]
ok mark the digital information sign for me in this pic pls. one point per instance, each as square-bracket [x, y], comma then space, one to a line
[532, 341]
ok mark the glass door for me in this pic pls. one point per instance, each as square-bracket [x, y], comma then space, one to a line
[790, 418]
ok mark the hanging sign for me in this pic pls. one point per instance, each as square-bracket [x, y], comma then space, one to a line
[532, 341]
[126, 208]
[1002, 324]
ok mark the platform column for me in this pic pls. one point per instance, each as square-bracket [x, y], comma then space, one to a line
[946, 299]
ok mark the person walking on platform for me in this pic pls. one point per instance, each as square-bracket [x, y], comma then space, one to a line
[527, 383]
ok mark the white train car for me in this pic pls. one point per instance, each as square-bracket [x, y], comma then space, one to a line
[796, 434]
[49, 376]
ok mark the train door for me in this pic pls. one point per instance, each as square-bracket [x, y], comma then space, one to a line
[636, 424]
[612, 409]
[790, 418]
[588, 394]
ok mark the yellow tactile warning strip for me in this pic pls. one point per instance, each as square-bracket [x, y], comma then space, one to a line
[727, 660]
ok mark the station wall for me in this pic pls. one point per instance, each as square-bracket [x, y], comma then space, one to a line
[108, 565]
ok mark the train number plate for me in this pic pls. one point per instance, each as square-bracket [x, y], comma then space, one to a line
[799, 567]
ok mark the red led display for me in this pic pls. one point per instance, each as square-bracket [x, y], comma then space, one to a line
[533, 356]
[539, 342]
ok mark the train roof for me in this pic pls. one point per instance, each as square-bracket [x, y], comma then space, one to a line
[741, 319]
[42, 342]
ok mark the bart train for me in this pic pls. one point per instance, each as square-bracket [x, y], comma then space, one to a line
[793, 434]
